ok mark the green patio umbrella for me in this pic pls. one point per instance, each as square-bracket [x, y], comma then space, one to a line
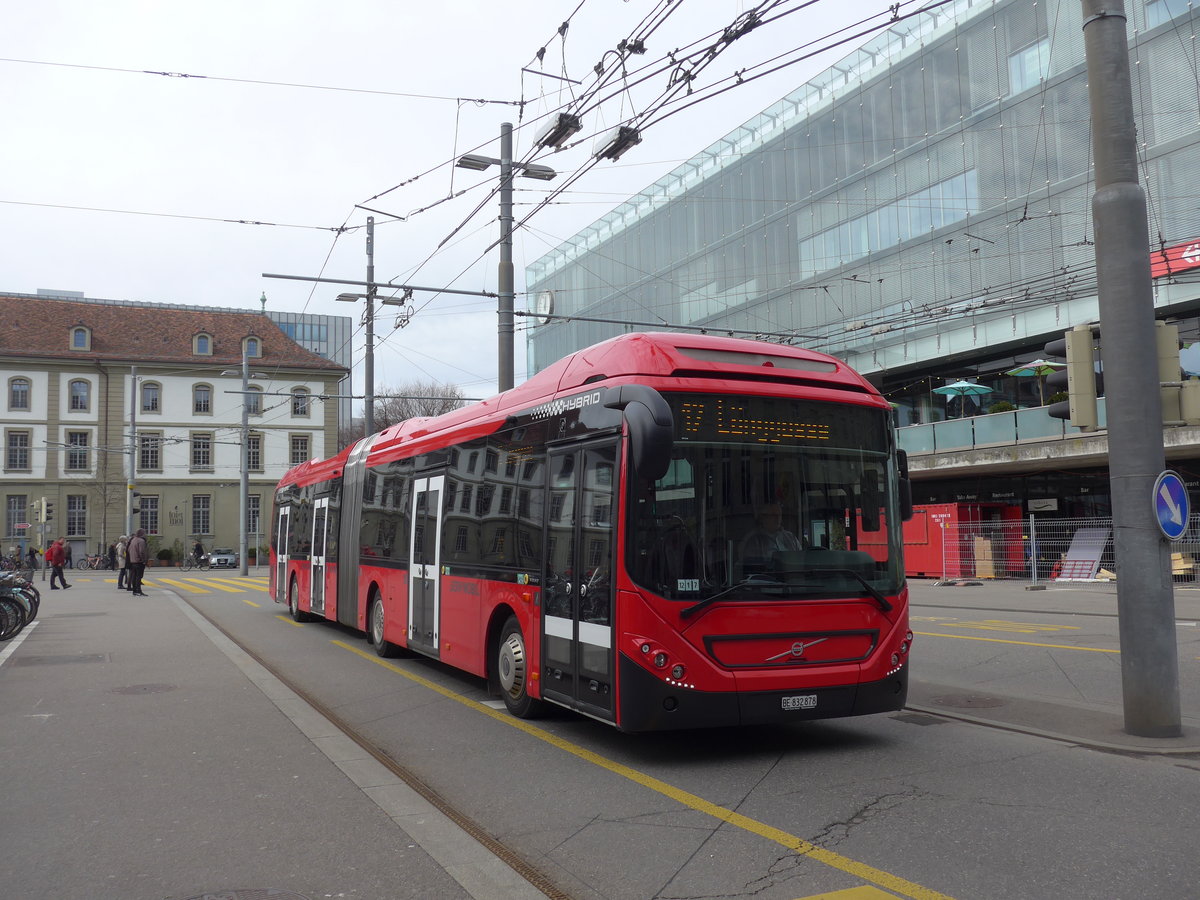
[1038, 368]
[962, 389]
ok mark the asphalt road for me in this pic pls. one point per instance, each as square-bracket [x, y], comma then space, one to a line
[912, 804]
[909, 804]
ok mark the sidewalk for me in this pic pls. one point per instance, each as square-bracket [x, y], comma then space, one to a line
[147, 757]
[1042, 702]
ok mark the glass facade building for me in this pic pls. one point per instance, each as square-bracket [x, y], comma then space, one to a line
[921, 209]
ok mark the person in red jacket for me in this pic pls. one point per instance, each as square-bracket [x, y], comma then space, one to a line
[56, 556]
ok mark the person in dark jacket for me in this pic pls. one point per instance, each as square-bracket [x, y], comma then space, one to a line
[136, 554]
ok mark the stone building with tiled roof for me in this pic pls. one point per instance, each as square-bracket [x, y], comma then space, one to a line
[99, 397]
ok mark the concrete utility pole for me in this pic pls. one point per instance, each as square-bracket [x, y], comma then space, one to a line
[504, 278]
[1145, 594]
[369, 353]
[133, 449]
[244, 483]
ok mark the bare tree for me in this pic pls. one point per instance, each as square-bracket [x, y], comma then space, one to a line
[408, 401]
[413, 399]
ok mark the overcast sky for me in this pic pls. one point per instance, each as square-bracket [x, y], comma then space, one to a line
[122, 184]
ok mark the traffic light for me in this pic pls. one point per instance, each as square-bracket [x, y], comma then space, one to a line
[1166, 337]
[1080, 378]
[47, 510]
[134, 509]
[37, 511]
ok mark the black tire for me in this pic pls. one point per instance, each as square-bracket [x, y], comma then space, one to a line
[12, 618]
[383, 648]
[512, 672]
[79, 564]
[294, 604]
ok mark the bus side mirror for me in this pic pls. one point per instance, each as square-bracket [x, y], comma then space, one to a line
[906, 506]
[651, 427]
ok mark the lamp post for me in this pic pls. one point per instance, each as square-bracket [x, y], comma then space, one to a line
[369, 323]
[504, 281]
[244, 485]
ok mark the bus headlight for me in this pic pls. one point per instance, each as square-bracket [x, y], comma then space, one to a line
[660, 660]
[678, 671]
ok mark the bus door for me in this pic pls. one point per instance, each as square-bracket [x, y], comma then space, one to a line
[319, 535]
[425, 552]
[283, 552]
[578, 596]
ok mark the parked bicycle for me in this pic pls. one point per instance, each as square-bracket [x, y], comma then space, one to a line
[190, 562]
[99, 561]
[19, 604]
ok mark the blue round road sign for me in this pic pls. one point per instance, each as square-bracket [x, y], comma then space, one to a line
[1171, 505]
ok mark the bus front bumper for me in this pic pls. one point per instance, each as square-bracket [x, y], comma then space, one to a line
[650, 704]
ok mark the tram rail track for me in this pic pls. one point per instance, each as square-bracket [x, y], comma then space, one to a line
[511, 858]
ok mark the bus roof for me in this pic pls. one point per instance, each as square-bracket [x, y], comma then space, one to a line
[643, 357]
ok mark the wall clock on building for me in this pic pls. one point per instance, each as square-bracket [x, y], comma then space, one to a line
[543, 306]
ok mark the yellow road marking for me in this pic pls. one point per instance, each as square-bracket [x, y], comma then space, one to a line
[1018, 627]
[856, 893]
[179, 584]
[971, 637]
[217, 586]
[250, 603]
[799, 845]
[242, 583]
[289, 620]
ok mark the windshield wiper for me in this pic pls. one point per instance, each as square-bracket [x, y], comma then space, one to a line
[870, 588]
[752, 581]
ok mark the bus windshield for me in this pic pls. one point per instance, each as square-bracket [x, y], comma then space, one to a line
[769, 497]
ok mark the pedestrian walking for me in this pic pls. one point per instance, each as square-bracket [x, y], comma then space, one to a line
[136, 553]
[56, 558]
[112, 555]
[33, 557]
[123, 563]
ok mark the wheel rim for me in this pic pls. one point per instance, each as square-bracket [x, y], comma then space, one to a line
[377, 623]
[292, 607]
[511, 668]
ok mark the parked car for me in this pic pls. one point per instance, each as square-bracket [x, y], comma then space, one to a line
[223, 558]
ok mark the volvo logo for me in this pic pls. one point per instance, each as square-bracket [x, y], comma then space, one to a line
[796, 651]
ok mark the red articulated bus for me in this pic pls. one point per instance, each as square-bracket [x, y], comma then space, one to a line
[660, 531]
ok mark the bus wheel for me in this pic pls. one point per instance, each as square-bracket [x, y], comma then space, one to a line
[512, 671]
[294, 605]
[383, 648]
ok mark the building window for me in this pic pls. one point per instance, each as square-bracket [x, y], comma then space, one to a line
[254, 461]
[299, 444]
[300, 402]
[15, 511]
[148, 517]
[151, 397]
[81, 395]
[77, 451]
[201, 514]
[149, 452]
[460, 539]
[491, 461]
[252, 347]
[254, 400]
[506, 495]
[498, 540]
[202, 344]
[18, 394]
[202, 451]
[76, 515]
[16, 457]
[468, 492]
[202, 399]
[81, 338]
[1159, 11]
[253, 509]
[1029, 66]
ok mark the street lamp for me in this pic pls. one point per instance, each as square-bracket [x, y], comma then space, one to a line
[505, 275]
[244, 487]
